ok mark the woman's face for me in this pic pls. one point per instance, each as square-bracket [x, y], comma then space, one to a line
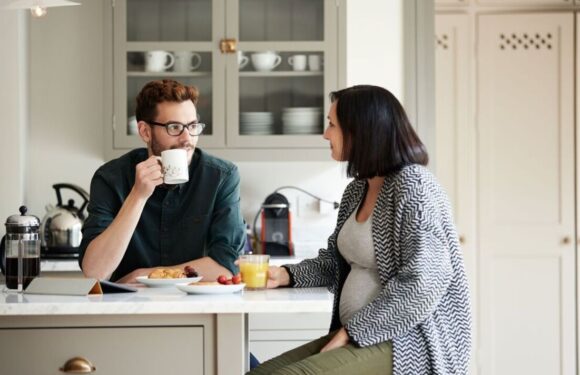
[333, 134]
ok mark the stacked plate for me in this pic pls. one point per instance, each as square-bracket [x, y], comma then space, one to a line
[256, 123]
[302, 120]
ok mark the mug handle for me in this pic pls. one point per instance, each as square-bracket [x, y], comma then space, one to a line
[195, 61]
[244, 62]
[162, 168]
[171, 61]
[291, 60]
[277, 62]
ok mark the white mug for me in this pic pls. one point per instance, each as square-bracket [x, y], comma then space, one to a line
[265, 61]
[242, 60]
[158, 61]
[314, 63]
[186, 61]
[132, 127]
[174, 162]
[298, 62]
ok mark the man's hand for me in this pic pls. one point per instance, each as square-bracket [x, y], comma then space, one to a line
[339, 340]
[132, 277]
[148, 175]
[277, 276]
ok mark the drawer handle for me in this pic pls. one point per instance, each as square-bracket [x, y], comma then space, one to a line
[78, 365]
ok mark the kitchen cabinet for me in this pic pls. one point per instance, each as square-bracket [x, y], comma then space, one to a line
[274, 334]
[506, 152]
[121, 345]
[246, 107]
[270, 334]
[526, 200]
[455, 136]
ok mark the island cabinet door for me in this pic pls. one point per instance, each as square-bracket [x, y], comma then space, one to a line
[112, 351]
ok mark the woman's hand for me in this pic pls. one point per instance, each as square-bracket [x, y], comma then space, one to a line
[339, 340]
[277, 276]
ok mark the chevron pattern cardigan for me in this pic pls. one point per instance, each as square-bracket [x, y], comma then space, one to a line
[423, 307]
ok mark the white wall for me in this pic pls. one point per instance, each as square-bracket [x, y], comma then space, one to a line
[65, 143]
[13, 107]
[374, 42]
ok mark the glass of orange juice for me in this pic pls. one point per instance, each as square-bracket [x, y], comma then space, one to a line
[254, 270]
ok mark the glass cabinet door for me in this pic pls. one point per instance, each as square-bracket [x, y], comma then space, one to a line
[284, 68]
[168, 39]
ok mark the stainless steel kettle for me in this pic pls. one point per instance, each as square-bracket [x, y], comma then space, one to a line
[61, 228]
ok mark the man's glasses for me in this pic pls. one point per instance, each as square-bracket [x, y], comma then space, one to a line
[176, 128]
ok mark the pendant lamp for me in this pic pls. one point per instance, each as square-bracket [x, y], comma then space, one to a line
[37, 7]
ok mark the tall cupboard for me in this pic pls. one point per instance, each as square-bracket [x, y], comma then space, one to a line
[505, 78]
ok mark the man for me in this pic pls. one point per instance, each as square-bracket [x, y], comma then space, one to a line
[136, 223]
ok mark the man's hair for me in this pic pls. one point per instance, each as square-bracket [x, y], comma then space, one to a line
[156, 92]
[377, 135]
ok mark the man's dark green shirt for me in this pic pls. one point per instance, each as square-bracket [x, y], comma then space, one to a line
[179, 223]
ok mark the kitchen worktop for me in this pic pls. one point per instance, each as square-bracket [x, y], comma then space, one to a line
[72, 265]
[211, 330]
[168, 301]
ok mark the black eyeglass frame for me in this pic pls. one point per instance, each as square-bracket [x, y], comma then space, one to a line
[190, 127]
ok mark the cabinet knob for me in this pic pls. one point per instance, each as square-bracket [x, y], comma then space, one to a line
[462, 240]
[228, 45]
[566, 240]
[78, 365]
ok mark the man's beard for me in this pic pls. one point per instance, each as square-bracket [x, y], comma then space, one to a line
[156, 148]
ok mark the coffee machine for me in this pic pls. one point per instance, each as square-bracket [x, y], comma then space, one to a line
[276, 228]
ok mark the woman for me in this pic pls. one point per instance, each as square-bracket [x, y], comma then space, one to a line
[401, 301]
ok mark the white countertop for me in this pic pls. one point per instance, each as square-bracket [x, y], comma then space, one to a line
[168, 301]
[72, 265]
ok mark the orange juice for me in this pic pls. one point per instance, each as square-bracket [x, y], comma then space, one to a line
[254, 270]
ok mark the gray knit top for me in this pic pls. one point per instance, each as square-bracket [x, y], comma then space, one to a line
[362, 285]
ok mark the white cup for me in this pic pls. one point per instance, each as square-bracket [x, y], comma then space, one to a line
[132, 127]
[186, 61]
[158, 61]
[242, 60]
[174, 164]
[265, 61]
[314, 63]
[298, 62]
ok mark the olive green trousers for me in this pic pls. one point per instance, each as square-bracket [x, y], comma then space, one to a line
[349, 359]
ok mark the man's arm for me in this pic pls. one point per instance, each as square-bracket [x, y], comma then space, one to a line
[206, 267]
[105, 252]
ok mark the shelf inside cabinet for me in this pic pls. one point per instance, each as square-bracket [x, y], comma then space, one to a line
[280, 74]
[168, 74]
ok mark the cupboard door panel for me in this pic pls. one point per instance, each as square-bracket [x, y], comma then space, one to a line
[526, 198]
[455, 135]
[140, 350]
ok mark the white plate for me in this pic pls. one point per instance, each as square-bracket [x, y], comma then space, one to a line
[163, 283]
[210, 289]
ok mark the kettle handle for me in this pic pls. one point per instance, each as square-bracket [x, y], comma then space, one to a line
[76, 188]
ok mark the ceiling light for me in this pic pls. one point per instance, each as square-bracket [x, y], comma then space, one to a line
[37, 7]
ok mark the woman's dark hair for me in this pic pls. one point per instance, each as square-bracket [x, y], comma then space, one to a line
[377, 135]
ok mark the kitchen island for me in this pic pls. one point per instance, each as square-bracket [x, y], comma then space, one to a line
[156, 330]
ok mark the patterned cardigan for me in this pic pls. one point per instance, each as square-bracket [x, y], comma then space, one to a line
[423, 307]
